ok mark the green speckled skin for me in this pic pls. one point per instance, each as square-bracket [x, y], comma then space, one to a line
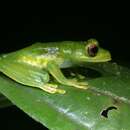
[32, 65]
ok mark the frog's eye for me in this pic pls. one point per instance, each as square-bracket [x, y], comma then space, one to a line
[92, 50]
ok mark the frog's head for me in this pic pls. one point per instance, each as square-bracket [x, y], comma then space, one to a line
[92, 52]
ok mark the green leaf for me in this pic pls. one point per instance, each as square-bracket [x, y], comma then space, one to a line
[104, 106]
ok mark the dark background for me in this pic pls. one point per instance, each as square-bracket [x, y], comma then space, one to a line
[19, 31]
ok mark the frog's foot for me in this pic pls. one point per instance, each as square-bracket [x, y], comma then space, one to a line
[52, 88]
[78, 84]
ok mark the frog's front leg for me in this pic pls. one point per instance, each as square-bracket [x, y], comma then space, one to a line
[55, 71]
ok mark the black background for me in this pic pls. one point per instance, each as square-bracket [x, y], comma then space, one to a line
[18, 31]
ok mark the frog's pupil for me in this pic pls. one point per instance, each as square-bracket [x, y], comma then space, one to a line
[92, 50]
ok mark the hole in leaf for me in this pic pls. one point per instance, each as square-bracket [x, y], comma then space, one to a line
[106, 111]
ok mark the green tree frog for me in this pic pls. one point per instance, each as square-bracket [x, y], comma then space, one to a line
[33, 65]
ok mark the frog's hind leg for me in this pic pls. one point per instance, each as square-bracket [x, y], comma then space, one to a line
[30, 76]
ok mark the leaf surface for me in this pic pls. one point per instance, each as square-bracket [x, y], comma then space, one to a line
[104, 106]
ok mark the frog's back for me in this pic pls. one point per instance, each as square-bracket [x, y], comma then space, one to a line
[43, 48]
[40, 49]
